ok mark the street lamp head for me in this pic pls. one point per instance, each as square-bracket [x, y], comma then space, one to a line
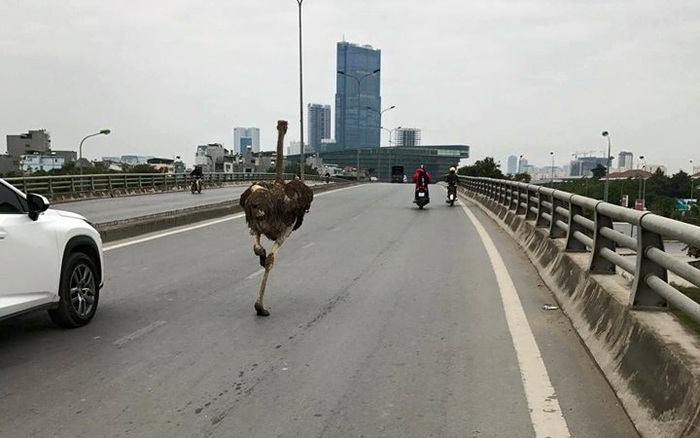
[394, 106]
[340, 72]
[605, 133]
[105, 131]
[376, 71]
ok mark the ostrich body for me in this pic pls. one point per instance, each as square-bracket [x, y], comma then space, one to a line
[274, 210]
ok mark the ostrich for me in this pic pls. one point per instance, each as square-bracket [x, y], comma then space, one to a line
[274, 209]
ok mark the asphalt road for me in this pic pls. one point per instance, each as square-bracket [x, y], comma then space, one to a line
[386, 321]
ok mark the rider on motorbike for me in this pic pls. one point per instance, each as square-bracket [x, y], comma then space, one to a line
[451, 180]
[421, 178]
[196, 174]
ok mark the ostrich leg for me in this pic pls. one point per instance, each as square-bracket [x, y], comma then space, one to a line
[259, 250]
[259, 308]
[269, 262]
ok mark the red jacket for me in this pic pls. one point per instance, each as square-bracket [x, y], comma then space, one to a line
[426, 175]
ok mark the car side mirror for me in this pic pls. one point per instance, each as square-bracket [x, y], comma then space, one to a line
[37, 205]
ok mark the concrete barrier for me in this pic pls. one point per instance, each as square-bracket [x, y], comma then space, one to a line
[132, 227]
[651, 360]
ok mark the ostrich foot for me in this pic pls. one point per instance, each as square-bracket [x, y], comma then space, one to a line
[261, 310]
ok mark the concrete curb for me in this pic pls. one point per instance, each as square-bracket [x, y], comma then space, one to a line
[650, 359]
[128, 228]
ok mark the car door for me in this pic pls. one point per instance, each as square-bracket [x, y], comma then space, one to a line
[29, 257]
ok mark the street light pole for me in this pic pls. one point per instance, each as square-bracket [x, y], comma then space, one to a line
[552, 154]
[519, 160]
[80, 149]
[607, 171]
[692, 186]
[380, 117]
[301, 103]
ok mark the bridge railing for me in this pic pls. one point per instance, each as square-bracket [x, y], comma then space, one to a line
[77, 184]
[586, 224]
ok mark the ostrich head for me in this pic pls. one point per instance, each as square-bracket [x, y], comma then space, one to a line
[282, 126]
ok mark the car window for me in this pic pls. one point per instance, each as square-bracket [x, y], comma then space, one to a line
[10, 202]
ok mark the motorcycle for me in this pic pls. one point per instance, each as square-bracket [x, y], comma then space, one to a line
[196, 186]
[422, 198]
[451, 194]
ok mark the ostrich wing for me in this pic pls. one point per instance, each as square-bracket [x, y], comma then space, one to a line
[299, 197]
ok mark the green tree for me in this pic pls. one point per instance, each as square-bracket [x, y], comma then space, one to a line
[487, 168]
[599, 171]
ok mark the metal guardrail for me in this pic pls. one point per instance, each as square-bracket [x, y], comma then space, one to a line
[587, 226]
[108, 182]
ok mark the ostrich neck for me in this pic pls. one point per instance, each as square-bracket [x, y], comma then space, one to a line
[279, 160]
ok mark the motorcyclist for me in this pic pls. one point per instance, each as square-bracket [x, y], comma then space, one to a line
[451, 180]
[421, 178]
[196, 174]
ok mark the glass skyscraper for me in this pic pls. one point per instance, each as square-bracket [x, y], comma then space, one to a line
[319, 125]
[357, 96]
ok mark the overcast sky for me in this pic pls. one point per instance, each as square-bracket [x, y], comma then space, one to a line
[505, 77]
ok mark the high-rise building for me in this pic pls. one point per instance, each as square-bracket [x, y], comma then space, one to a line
[512, 165]
[357, 96]
[244, 137]
[319, 126]
[625, 161]
[407, 137]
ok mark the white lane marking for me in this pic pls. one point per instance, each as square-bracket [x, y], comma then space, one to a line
[194, 227]
[545, 412]
[255, 274]
[138, 333]
[308, 245]
[334, 229]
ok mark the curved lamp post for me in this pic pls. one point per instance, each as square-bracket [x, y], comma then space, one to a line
[102, 132]
[390, 131]
[607, 171]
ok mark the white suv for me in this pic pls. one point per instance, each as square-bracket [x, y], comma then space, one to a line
[49, 259]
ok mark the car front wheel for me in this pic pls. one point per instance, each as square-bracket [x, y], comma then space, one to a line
[78, 292]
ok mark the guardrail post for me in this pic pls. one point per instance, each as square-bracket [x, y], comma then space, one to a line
[514, 193]
[50, 186]
[519, 207]
[642, 295]
[598, 264]
[554, 230]
[541, 222]
[529, 214]
[572, 244]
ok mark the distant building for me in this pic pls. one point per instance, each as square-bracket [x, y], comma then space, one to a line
[7, 165]
[295, 148]
[625, 161]
[407, 137]
[512, 165]
[162, 164]
[319, 126]
[357, 89]
[32, 142]
[245, 137]
[30, 163]
[583, 166]
[210, 157]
